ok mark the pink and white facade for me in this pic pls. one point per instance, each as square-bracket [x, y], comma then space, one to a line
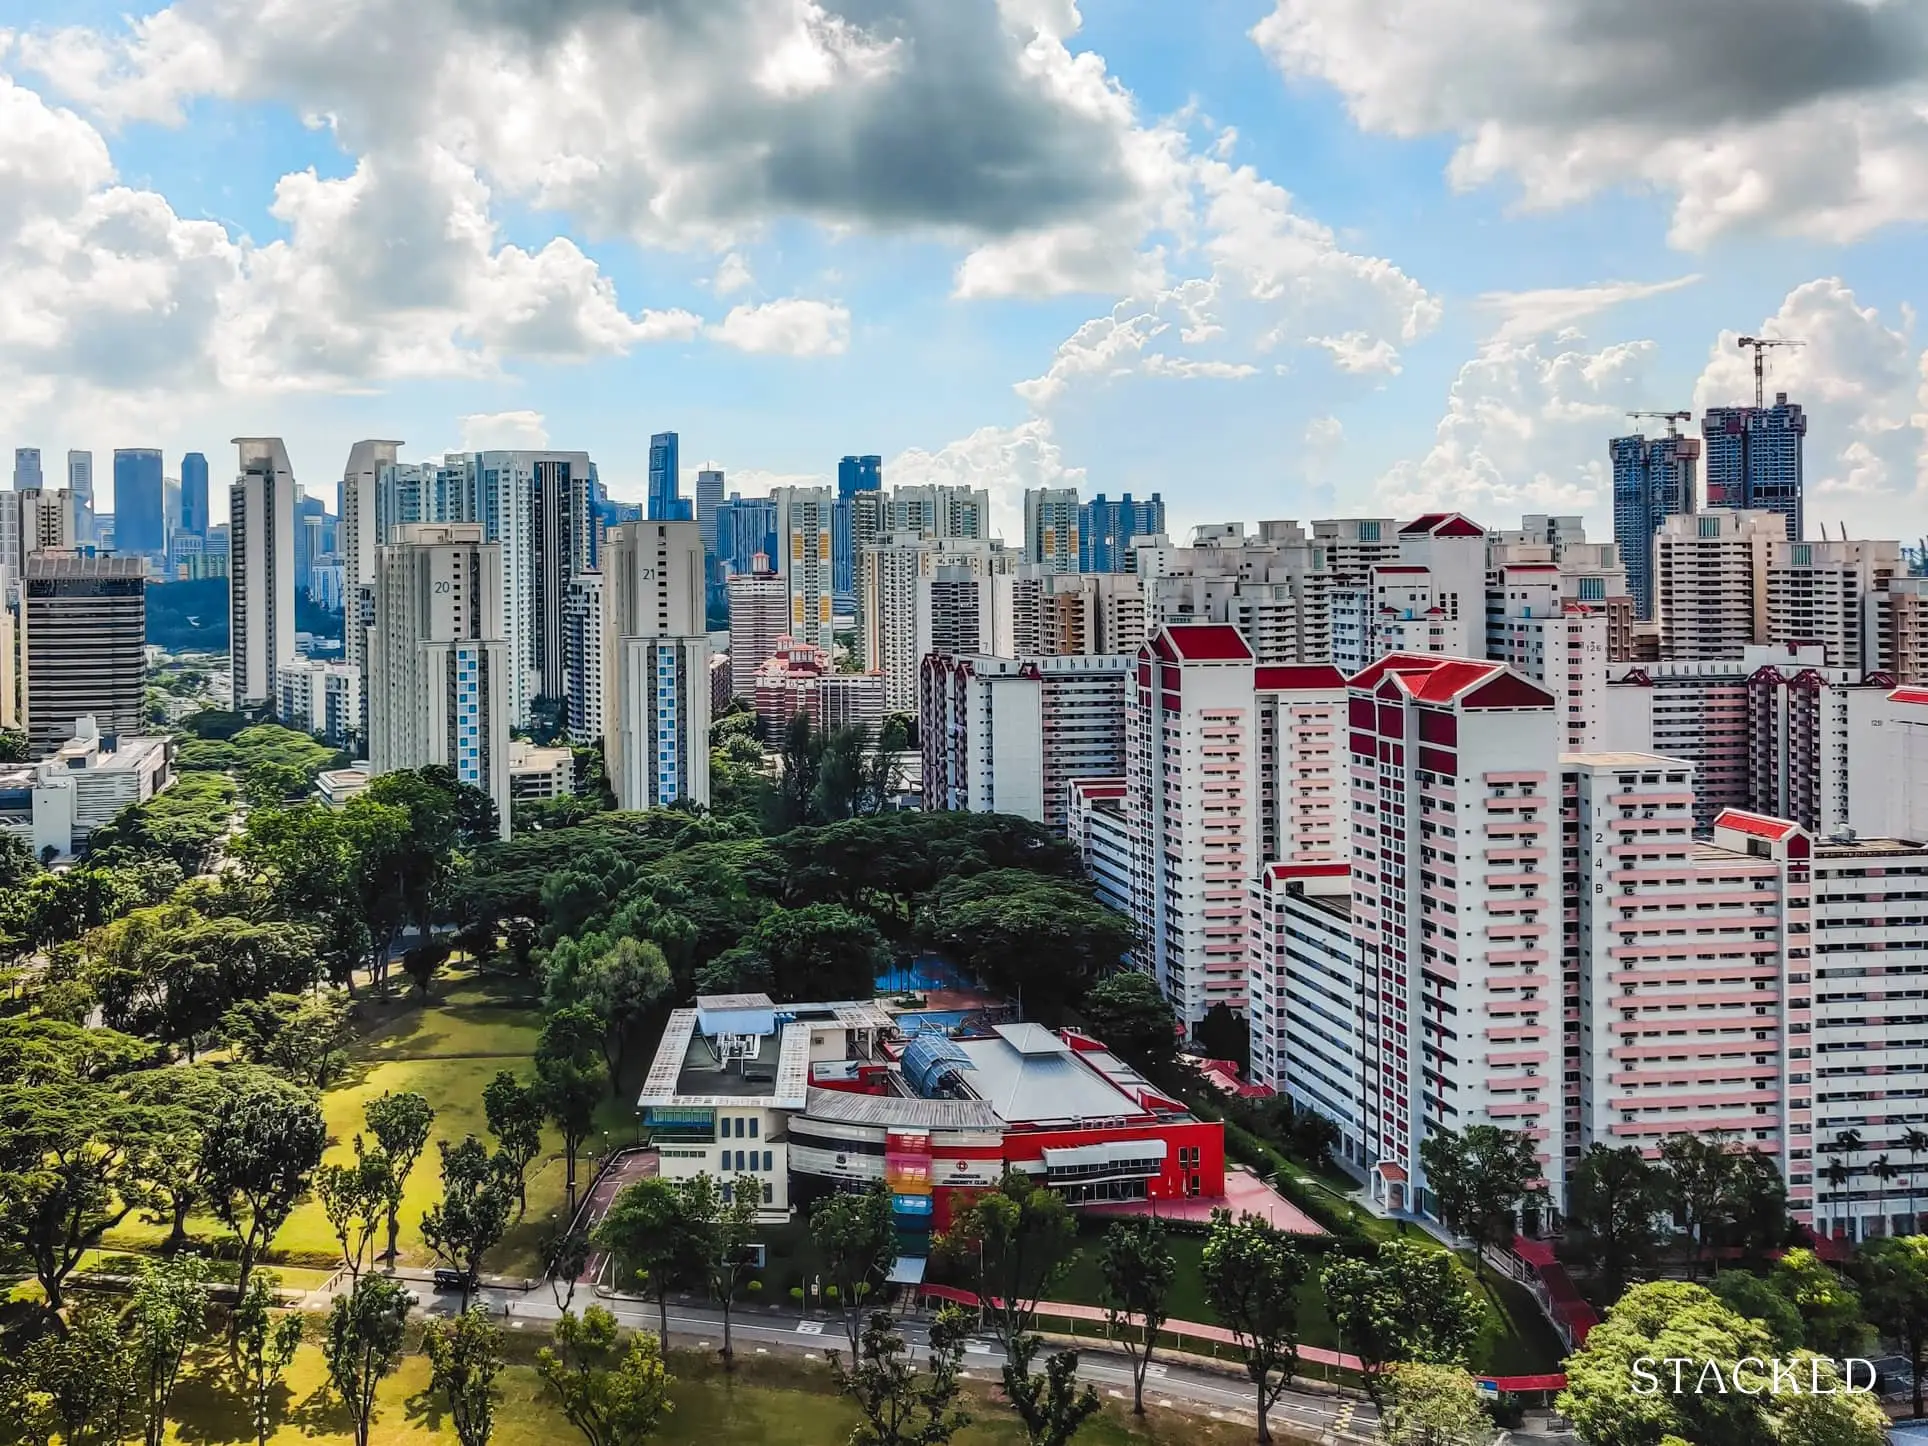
[1455, 804]
[1305, 991]
[1193, 796]
[1676, 957]
[1432, 600]
[1561, 645]
[1305, 806]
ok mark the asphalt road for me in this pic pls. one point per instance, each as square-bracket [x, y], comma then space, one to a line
[762, 1330]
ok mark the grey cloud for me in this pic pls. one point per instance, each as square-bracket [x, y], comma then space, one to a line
[1709, 62]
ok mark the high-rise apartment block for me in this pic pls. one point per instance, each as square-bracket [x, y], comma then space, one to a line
[323, 698]
[804, 523]
[1051, 538]
[439, 664]
[140, 521]
[759, 621]
[656, 669]
[583, 624]
[82, 640]
[1056, 613]
[1106, 527]
[1754, 461]
[1432, 600]
[1710, 582]
[746, 528]
[1832, 593]
[797, 679]
[921, 595]
[261, 566]
[361, 530]
[1561, 645]
[1654, 478]
[1011, 734]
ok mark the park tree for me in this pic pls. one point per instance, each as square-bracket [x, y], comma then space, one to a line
[1726, 1194]
[1482, 1176]
[612, 1396]
[1050, 1405]
[1129, 1012]
[1748, 1294]
[1016, 1243]
[1435, 1405]
[1138, 1268]
[652, 1229]
[83, 1380]
[571, 1077]
[565, 1255]
[400, 1121]
[901, 1406]
[363, 1344]
[1821, 1411]
[1041, 940]
[68, 1174]
[1252, 1273]
[175, 1102]
[723, 1225]
[265, 1343]
[356, 1199]
[1893, 1274]
[167, 1315]
[465, 1357]
[821, 951]
[1614, 1197]
[258, 1150]
[855, 1234]
[468, 1222]
[1610, 1404]
[1405, 1303]
[515, 1117]
[1832, 1323]
[620, 981]
[303, 1036]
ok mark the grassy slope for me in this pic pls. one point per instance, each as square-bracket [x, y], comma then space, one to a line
[772, 1402]
[448, 1051]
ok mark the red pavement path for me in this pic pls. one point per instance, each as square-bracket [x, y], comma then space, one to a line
[1218, 1335]
[633, 1165]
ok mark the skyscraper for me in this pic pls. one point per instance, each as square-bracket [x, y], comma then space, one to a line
[1754, 460]
[359, 534]
[666, 502]
[1106, 528]
[1653, 479]
[1051, 528]
[140, 517]
[80, 482]
[194, 494]
[746, 526]
[860, 474]
[803, 560]
[438, 688]
[709, 497]
[261, 569]
[656, 666]
[83, 635]
[26, 469]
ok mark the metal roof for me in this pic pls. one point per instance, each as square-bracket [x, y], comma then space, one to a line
[899, 1111]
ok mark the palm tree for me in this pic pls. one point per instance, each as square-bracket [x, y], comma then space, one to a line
[1915, 1142]
[1884, 1173]
[1847, 1142]
[1837, 1174]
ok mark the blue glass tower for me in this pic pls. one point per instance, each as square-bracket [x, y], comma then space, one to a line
[860, 474]
[1653, 479]
[1106, 528]
[194, 494]
[140, 516]
[666, 500]
[1754, 459]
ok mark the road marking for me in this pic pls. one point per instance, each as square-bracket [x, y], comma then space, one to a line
[763, 1350]
[809, 1327]
[1154, 1369]
[977, 1348]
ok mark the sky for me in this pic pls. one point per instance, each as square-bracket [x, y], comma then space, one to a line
[1270, 258]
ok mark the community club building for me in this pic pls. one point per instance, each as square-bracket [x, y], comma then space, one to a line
[812, 1098]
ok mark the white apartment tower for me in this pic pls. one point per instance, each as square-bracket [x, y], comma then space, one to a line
[656, 665]
[1192, 780]
[917, 596]
[583, 627]
[1710, 581]
[1561, 645]
[1831, 593]
[1455, 797]
[1051, 528]
[759, 619]
[360, 532]
[1432, 600]
[439, 665]
[805, 525]
[261, 570]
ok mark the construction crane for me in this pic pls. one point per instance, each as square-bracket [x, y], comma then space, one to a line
[1760, 344]
[1670, 418]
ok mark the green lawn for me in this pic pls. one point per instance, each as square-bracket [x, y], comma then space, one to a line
[771, 1401]
[448, 1051]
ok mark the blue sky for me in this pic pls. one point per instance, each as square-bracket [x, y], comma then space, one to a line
[1270, 257]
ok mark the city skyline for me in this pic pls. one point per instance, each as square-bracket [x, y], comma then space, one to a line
[1242, 254]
